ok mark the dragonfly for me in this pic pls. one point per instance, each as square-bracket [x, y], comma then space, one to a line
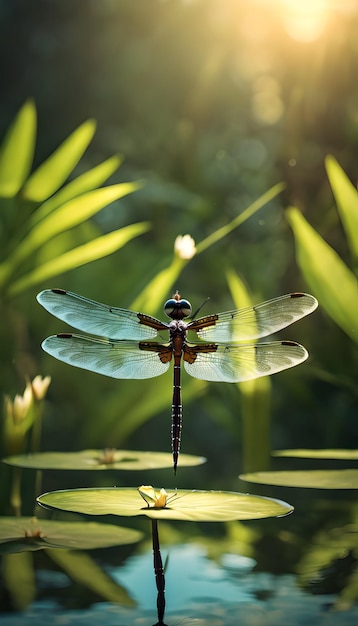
[125, 343]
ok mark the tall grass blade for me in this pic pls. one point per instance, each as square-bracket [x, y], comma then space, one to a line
[53, 172]
[67, 216]
[91, 179]
[346, 197]
[17, 151]
[255, 398]
[92, 251]
[329, 279]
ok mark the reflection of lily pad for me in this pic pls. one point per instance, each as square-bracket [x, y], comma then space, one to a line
[20, 534]
[101, 460]
[348, 455]
[199, 506]
[329, 559]
[313, 479]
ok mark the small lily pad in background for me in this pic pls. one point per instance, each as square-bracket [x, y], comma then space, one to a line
[336, 453]
[311, 479]
[187, 505]
[27, 534]
[101, 460]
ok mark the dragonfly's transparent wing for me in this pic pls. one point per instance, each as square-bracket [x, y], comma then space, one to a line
[255, 322]
[99, 319]
[118, 359]
[236, 363]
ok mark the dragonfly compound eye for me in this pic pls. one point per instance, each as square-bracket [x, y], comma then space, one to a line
[185, 307]
[171, 307]
[177, 309]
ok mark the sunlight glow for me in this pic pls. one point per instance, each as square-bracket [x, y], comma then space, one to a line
[305, 20]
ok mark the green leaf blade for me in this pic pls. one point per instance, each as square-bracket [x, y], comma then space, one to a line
[88, 181]
[17, 151]
[53, 172]
[87, 253]
[255, 397]
[68, 216]
[241, 218]
[346, 197]
[330, 280]
[158, 288]
[86, 572]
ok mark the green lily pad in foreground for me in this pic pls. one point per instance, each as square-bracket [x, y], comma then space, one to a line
[312, 479]
[196, 506]
[101, 460]
[21, 534]
[347, 455]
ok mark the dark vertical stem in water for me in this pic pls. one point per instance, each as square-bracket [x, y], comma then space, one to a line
[159, 574]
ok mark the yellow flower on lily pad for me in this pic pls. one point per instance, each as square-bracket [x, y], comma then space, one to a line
[154, 499]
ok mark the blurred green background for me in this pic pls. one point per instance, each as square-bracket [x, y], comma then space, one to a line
[210, 104]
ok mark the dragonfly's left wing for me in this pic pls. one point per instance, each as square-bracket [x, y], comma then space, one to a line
[236, 363]
[93, 317]
[117, 359]
[254, 322]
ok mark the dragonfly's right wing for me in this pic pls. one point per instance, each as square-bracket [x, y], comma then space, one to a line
[93, 317]
[254, 322]
[117, 359]
[234, 363]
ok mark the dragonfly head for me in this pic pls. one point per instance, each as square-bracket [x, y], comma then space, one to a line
[176, 308]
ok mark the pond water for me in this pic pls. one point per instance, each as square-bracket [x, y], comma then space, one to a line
[198, 592]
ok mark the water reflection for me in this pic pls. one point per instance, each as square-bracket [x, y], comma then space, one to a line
[199, 590]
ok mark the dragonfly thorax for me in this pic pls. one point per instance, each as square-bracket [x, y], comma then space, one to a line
[177, 327]
[176, 308]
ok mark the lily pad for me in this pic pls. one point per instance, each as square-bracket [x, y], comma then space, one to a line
[101, 460]
[310, 479]
[27, 534]
[336, 453]
[189, 505]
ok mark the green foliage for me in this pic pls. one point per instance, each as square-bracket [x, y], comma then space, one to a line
[328, 277]
[255, 399]
[33, 214]
[158, 288]
[81, 568]
[346, 197]
[53, 173]
[326, 549]
[17, 152]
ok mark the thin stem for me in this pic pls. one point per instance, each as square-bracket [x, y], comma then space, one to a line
[15, 496]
